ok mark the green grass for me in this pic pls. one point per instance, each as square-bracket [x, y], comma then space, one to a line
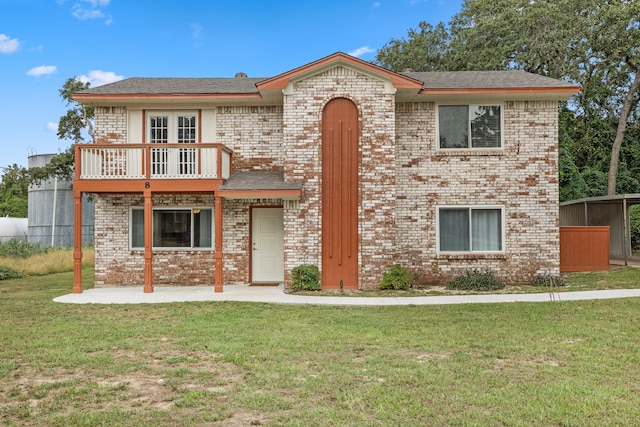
[225, 363]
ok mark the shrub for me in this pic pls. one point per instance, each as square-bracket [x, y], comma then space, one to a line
[396, 278]
[547, 280]
[7, 273]
[476, 280]
[17, 249]
[305, 277]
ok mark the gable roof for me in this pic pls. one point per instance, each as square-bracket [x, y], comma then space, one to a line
[238, 88]
[397, 80]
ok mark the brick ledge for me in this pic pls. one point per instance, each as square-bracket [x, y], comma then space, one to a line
[472, 256]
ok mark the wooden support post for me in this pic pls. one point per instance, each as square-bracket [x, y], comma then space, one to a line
[148, 242]
[77, 243]
[218, 249]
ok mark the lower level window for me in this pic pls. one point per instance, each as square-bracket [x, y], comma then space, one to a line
[469, 229]
[174, 228]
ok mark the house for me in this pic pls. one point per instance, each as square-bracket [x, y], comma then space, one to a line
[337, 163]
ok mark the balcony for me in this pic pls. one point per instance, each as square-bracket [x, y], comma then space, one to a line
[172, 163]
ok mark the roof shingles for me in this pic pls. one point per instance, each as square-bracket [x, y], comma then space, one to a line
[485, 80]
[256, 180]
[172, 86]
[245, 85]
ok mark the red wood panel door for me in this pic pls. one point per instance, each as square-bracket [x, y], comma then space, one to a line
[340, 195]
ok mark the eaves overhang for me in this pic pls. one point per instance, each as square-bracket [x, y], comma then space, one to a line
[91, 100]
[261, 185]
[560, 91]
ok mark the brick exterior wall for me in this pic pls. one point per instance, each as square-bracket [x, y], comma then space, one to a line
[254, 134]
[522, 178]
[110, 125]
[302, 163]
[403, 178]
[117, 264]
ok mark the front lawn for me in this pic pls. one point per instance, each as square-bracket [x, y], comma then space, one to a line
[225, 363]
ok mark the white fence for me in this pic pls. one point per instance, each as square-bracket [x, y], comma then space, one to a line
[158, 161]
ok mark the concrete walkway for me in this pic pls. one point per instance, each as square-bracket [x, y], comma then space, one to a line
[275, 294]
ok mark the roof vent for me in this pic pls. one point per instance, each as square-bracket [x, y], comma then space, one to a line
[241, 75]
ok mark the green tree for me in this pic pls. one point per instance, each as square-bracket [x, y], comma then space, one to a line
[70, 126]
[14, 192]
[426, 49]
[594, 43]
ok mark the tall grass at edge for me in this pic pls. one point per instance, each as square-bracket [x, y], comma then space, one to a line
[55, 260]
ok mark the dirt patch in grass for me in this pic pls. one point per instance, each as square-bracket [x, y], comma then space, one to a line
[165, 381]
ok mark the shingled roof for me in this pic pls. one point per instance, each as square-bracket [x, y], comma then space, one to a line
[260, 184]
[484, 80]
[166, 86]
[245, 85]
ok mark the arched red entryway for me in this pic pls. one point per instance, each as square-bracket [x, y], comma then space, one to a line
[340, 195]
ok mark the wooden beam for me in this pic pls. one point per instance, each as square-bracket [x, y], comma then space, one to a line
[218, 249]
[77, 243]
[148, 242]
[141, 185]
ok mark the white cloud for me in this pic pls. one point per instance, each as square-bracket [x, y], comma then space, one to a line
[52, 126]
[8, 45]
[99, 77]
[361, 51]
[91, 9]
[83, 14]
[42, 70]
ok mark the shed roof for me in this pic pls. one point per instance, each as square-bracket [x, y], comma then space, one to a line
[250, 184]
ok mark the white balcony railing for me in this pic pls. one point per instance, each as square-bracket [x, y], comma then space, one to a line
[152, 161]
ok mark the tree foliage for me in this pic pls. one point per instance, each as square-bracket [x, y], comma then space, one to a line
[14, 192]
[77, 117]
[593, 43]
[70, 126]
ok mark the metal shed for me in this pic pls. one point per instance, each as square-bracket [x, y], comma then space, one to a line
[612, 211]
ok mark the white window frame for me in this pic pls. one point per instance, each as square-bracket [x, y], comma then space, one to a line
[175, 208]
[469, 147]
[172, 123]
[471, 208]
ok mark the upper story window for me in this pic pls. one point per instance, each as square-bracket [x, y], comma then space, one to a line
[166, 127]
[469, 126]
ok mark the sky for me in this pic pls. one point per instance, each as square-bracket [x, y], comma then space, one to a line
[44, 42]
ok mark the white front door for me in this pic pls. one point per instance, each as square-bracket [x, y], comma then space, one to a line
[267, 235]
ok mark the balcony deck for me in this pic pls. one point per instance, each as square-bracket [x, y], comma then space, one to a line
[159, 167]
